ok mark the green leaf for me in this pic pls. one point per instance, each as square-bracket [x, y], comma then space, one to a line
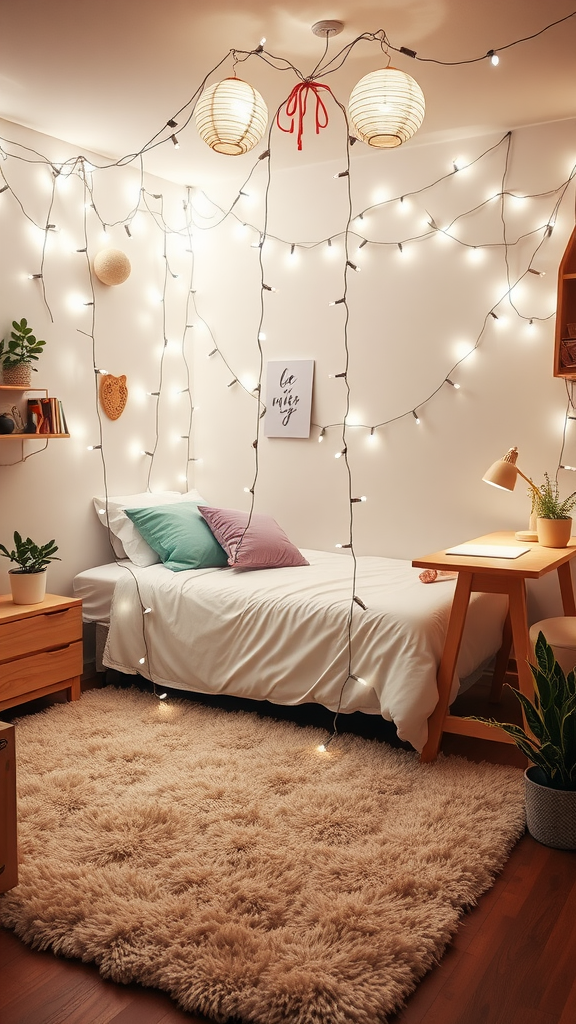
[534, 720]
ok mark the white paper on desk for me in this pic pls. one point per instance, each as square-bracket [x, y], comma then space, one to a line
[487, 550]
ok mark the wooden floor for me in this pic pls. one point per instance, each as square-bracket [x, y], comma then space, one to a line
[512, 961]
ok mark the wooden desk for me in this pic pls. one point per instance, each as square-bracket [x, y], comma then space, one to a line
[492, 576]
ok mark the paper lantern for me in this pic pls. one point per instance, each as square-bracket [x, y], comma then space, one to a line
[231, 117]
[386, 108]
[111, 266]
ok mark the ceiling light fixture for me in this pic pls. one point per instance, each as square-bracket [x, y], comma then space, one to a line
[386, 108]
[231, 117]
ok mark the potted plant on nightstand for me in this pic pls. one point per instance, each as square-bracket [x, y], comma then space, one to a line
[551, 747]
[18, 353]
[28, 582]
[553, 523]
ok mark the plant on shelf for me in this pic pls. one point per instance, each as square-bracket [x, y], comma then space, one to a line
[18, 353]
[550, 746]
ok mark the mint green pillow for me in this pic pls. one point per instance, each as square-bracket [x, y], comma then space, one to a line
[179, 535]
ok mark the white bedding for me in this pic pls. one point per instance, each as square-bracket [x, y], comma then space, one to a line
[282, 634]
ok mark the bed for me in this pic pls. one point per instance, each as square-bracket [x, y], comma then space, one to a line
[282, 634]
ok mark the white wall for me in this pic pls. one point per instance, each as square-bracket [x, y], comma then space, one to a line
[410, 319]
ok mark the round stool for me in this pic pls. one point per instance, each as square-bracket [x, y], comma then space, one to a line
[561, 635]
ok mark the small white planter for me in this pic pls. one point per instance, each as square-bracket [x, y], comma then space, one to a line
[27, 587]
[550, 813]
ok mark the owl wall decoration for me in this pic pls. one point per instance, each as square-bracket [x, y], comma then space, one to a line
[113, 395]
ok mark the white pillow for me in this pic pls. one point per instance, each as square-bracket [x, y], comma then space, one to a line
[126, 541]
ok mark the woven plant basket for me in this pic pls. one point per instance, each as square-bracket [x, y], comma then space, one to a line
[550, 813]
[19, 376]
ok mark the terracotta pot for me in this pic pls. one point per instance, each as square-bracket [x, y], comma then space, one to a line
[550, 813]
[553, 533]
[19, 376]
[27, 587]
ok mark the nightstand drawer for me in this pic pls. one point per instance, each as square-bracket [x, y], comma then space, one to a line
[49, 629]
[40, 670]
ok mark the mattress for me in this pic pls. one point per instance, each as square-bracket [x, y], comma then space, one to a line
[96, 588]
[282, 635]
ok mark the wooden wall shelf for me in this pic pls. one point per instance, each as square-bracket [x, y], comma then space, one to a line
[565, 337]
[20, 390]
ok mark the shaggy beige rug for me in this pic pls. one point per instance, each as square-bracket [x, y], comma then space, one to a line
[220, 857]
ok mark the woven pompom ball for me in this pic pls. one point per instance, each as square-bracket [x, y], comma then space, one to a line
[112, 266]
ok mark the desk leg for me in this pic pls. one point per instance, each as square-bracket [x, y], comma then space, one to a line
[520, 638]
[447, 665]
[566, 589]
[501, 666]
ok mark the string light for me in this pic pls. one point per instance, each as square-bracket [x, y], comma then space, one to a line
[454, 384]
[494, 58]
[322, 433]
[94, 448]
[340, 454]
[416, 417]
[363, 498]
[175, 142]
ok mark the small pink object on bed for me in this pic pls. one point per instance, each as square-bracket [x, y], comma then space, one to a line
[264, 545]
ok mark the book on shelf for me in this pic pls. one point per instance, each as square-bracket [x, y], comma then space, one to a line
[35, 416]
[51, 419]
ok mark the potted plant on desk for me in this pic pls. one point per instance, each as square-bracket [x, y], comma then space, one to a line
[553, 523]
[18, 353]
[551, 747]
[28, 582]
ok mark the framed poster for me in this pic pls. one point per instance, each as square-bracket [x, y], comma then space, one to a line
[288, 398]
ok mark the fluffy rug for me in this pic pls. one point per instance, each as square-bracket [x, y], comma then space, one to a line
[220, 857]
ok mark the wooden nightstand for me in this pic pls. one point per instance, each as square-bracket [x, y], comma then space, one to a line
[40, 649]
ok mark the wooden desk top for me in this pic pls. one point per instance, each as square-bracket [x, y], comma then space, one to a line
[534, 563]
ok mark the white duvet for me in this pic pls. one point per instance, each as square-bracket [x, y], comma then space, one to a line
[282, 634]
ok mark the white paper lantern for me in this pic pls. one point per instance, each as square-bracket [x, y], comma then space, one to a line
[231, 117]
[111, 266]
[386, 108]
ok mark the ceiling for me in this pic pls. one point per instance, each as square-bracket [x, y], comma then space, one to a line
[107, 76]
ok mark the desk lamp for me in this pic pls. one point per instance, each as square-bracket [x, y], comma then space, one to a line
[503, 474]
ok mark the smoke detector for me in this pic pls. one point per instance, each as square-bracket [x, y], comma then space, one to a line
[327, 28]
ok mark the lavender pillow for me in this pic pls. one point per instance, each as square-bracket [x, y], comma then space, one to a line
[263, 546]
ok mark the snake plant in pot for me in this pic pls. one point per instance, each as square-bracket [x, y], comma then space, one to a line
[28, 581]
[550, 746]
